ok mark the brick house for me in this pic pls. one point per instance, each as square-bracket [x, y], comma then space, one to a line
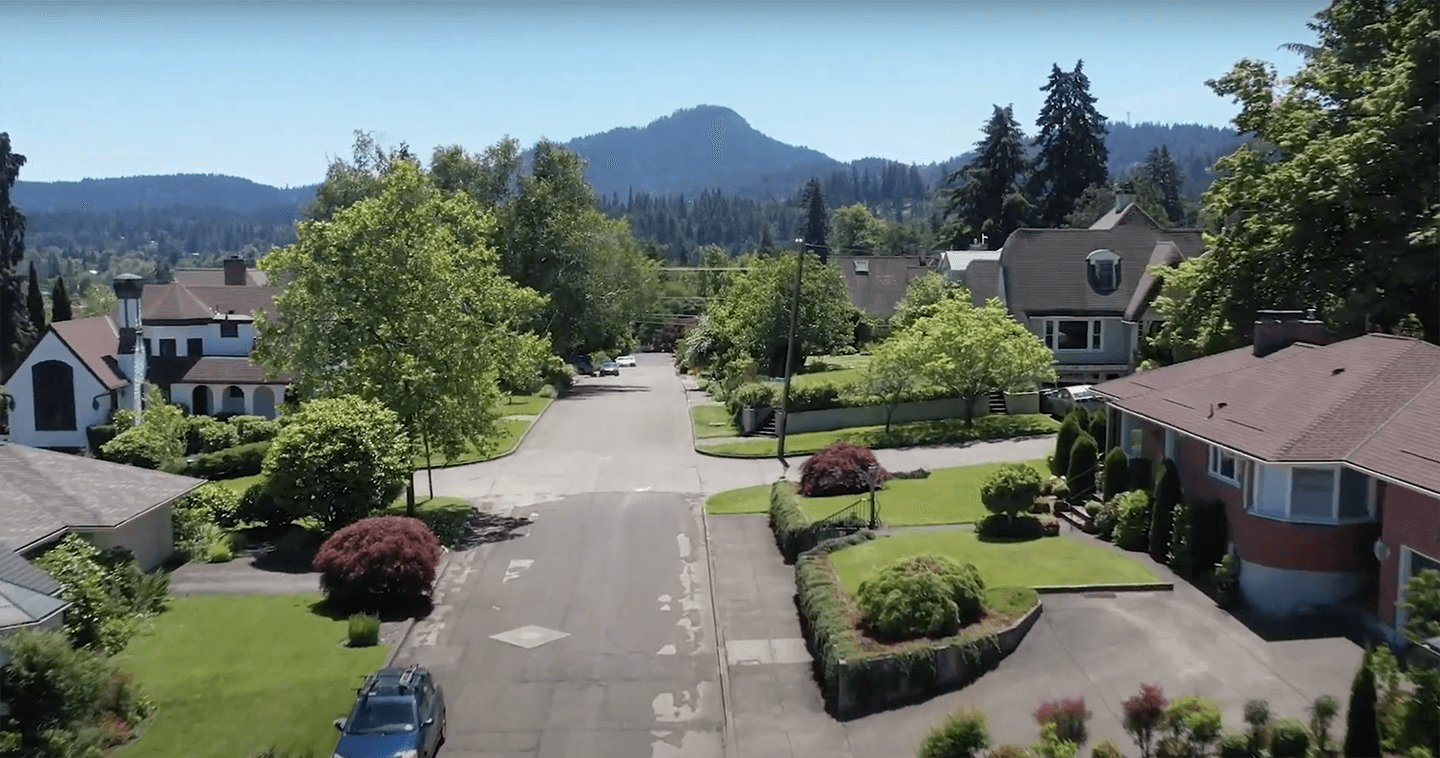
[1326, 455]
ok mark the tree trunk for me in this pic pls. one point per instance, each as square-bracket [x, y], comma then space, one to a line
[429, 470]
[969, 411]
[410, 495]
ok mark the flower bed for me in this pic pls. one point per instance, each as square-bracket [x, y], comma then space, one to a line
[859, 676]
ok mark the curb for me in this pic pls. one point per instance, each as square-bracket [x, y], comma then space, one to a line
[728, 735]
[505, 454]
[1056, 589]
[410, 623]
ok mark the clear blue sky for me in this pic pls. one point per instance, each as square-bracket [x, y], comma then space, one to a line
[268, 91]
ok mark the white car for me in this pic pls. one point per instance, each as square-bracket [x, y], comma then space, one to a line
[625, 361]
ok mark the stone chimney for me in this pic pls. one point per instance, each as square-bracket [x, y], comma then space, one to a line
[235, 271]
[1277, 330]
[1124, 196]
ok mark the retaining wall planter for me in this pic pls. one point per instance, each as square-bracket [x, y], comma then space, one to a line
[874, 415]
[855, 682]
[1022, 402]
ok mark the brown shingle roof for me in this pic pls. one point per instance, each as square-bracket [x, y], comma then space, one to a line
[95, 341]
[982, 278]
[1045, 269]
[219, 369]
[165, 303]
[243, 301]
[877, 291]
[1364, 400]
[48, 492]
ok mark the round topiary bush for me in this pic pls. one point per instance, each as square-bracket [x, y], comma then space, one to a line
[965, 734]
[839, 469]
[1011, 489]
[378, 560]
[924, 596]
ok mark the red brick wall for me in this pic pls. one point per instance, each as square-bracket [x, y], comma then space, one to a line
[1412, 519]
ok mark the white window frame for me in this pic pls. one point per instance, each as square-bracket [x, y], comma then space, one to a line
[1213, 465]
[1172, 445]
[1095, 331]
[1249, 485]
[1407, 555]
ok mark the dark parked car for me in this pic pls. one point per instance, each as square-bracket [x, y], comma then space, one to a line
[400, 713]
[583, 365]
[609, 368]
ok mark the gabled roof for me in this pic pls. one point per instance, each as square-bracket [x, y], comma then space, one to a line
[1166, 253]
[191, 277]
[173, 302]
[1131, 214]
[1372, 401]
[1046, 270]
[47, 493]
[244, 301]
[27, 594]
[960, 260]
[883, 281]
[94, 341]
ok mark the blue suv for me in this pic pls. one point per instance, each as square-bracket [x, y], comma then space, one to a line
[400, 713]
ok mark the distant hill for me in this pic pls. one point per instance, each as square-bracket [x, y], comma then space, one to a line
[130, 192]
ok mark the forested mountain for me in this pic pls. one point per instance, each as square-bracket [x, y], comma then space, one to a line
[129, 192]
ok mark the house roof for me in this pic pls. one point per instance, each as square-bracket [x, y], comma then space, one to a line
[1372, 401]
[1166, 253]
[94, 341]
[883, 281]
[1046, 274]
[190, 277]
[219, 369]
[982, 278]
[242, 300]
[178, 303]
[1131, 214]
[27, 594]
[47, 493]
[960, 260]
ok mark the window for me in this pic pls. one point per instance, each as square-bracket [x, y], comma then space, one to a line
[1223, 466]
[1312, 493]
[1073, 334]
[1356, 495]
[194, 347]
[1172, 446]
[229, 329]
[148, 351]
[1103, 271]
[167, 348]
[53, 383]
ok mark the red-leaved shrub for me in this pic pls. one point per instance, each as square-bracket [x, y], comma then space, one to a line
[378, 559]
[1143, 714]
[1068, 716]
[839, 470]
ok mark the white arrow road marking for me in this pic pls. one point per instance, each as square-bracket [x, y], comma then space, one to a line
[516, 566]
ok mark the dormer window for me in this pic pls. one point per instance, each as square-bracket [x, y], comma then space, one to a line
[1103, 271]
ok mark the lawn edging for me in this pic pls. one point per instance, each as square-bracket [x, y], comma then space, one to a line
[1057, 589]
[410, 622]
[854, 682]
[794, 532]
[512, 450]
[1027, 426]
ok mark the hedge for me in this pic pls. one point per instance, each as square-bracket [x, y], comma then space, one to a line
[794, 531]
[856, 681]
[232, 462]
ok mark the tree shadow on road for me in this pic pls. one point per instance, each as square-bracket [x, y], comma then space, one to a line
[585, 390]
[484, 527]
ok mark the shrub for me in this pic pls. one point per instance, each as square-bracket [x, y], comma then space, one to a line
[1194, 723]
[1084, 460]
[924, 596]
[219, 551]
[1362, 726]
[1049, 527]
[1011, 489]
[1067, 716]
[252, 429]
[794, 531]
[839, 469]
[193, 515]
[1051, 746]
[1143, 714]
[1096, 426]
[96, 436]
[965, 734]
[1199, 537]
[750, 395]
[378, 559]
[1010, 751]
[232, 462]
[1289, 739]
[258, 506]
[1117, 474]
[51, 686]
[1070, 431]
[1257, 717]
[997, 528]
[1140, 475]
[97, 617]
[1162, 516]
[1235, 745]
[1322, 714]
[160, 436]
[817, 397]
[1106, 748]
[208, 434]
[338, 460]
[1132, 520]
[1107, 517]
[364, 630]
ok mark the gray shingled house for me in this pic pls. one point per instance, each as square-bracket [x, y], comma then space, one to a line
[1085, 292]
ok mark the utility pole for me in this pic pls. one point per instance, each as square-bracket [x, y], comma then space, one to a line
[871, 473]
[790, 355]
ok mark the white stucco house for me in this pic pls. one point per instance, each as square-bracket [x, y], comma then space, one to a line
[191, 337]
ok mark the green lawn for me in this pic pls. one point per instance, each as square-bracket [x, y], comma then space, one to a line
[744, 500]
[947, 496]
[235, 674]
[911, 434]
[445, 515]
[241, 483]
[511, 430]
[712, 420]
[524, 405]
[1044, 561]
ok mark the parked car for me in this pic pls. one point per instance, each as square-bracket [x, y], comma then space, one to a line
[625, 361]
[609, 368]
[1058, 401]
[582, 365]
[399, 713]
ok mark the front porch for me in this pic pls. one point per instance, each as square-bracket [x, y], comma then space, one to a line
[229, 399]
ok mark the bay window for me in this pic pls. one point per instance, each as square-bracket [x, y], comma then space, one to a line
[1223, 466]
[1309, 494]
[1073, 334]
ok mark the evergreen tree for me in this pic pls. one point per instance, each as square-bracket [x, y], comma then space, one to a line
[988, 204]
[35, 302]
[815, 228]
[1162, 173]
[1168, 496]
[1362, 728]
[16, 332]
[767, 241]
[1072, 147]
[60, 302]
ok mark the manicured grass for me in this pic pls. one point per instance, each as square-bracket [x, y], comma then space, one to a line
[744, 500]
[241, 483]
[511, 430]
[235, 674]
[911, 434]
[712, 420]
[446, 516]
[947, 496]
[524, 405]
[1044, 561]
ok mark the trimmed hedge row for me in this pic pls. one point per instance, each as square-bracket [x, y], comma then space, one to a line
[856, 682]
[794, 531]
[232, 462]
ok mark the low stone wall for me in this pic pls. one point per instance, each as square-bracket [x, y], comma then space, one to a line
[874, 415]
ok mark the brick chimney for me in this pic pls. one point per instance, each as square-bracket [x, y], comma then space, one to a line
[235, 271]
[1124, 195]
[1277, 330]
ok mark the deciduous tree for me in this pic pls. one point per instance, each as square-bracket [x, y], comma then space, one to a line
[922, 296]
[751, 316]
[895, 371]
[854, 230]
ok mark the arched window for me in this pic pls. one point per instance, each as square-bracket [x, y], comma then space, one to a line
[233, 400]
[264, 402]
[1103, 270]
[200, 401]
[53, 383]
